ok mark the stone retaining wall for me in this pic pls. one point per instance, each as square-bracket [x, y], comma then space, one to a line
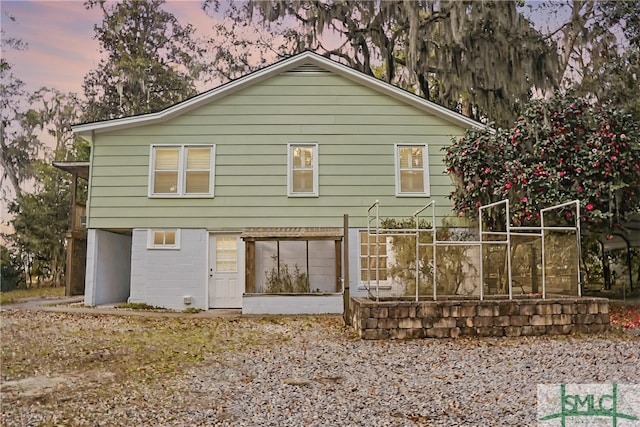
[453, 318]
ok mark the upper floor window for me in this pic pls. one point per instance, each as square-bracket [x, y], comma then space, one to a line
[182, 170]
[412, 170]
[302, 170]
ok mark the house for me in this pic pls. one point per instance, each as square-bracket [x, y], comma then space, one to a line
[236, 198]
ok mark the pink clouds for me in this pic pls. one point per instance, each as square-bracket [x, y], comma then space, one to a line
[61, 48]
[60, 44]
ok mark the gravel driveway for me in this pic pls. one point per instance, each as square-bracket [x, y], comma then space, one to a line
[79, 369]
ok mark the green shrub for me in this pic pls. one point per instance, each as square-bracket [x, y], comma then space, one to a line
[11, 276]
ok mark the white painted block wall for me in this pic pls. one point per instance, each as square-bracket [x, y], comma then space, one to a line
[292, 304]
[108, 267]
[163, 277]
[355, 288]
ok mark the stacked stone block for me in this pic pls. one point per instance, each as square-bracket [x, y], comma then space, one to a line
[487, 318]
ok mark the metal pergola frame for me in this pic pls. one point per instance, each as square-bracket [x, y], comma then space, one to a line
[373, 217]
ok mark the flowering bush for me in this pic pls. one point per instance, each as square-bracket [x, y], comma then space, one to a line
[625, 317]
[559, 150]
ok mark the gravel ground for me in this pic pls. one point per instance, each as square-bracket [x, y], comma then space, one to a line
[283, 371]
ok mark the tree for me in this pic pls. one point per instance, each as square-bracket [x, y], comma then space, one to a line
[151, 61]
[19, 145]
[480, 58]
[10, 270]
[40, 218]
[559, 150]
[598, 48]
[40, 221]
[625, 13]
[613, 74]
[238, 48]
[57, 113]
[615, 80]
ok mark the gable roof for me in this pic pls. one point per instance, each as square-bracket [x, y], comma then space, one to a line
[305, 58]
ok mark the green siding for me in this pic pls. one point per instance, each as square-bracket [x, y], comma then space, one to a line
[355, 127]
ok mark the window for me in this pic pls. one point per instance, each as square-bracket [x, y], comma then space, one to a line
[373, 253]
[412, 170]
[303, 170]
[163, 239]
[226, 254]
[181, 171]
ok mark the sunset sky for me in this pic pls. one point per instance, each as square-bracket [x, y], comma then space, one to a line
[59, 34]
[61, 49]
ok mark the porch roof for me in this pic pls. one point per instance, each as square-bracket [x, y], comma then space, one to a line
[292, 233]
[80, 169]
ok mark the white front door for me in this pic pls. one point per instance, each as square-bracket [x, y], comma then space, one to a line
[226, 271]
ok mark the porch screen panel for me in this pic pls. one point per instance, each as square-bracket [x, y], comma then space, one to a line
[322, 265]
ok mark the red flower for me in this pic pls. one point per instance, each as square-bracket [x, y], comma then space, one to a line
[589, 207]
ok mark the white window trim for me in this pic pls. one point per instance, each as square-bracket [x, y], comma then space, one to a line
[425, 163]
[151, 245]
[290, 192]
[362, 284]
[182, 170]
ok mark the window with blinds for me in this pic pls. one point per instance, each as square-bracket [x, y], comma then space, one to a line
[166, 170]
[163, 239]
[182, 171]
[226, 254]
[198, 170]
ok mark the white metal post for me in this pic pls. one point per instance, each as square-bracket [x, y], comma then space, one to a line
[377, 251]
[374, 205]
[544, 258]
[434, 239]
[481, 233]
[579, 246]
[508, 222]
[417, 255]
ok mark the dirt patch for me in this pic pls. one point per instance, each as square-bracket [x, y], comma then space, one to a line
[32, 386]
[39, 386]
